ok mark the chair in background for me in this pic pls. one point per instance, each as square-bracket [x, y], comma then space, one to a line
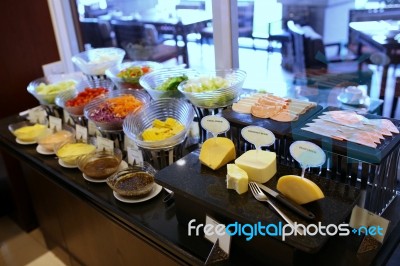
[312, 66]
[98, 33]
[389, 13]
[245, 23]
[140, 41]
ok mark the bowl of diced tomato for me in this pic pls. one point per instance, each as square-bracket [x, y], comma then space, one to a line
[75, 101]
[109, 112]
[126, 75]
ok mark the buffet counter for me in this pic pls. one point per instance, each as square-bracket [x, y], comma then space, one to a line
[94, 228]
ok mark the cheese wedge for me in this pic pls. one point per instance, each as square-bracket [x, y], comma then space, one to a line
[236, 178]
[301, 190]
[259, 165]
[217, 152]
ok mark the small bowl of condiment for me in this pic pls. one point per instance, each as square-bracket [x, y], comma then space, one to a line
[26, 132]
[100, 164]
[68, 153]
[136, 181]
[51, 140]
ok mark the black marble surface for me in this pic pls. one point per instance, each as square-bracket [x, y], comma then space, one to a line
[347, 148]
[159, 225]
[205, 187]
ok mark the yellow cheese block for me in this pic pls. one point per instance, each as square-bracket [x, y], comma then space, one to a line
[236, 178]
[259, 165]
[217, 152]
[298, 189]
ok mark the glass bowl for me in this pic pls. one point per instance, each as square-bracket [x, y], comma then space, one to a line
[109, 112]
[136, 181]
[215, 89]
[27, 132]
[68, 153]
[126, 75]
[179, 109]
[46, 90]
[53, 139]
[100, 164]
[74, 101]
[96, 61]
[152, 82]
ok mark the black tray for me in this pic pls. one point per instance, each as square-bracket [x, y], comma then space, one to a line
[200, 191]
[348, 148]
[280, 129]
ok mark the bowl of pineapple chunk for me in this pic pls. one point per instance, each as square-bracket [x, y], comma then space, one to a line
[161, 125]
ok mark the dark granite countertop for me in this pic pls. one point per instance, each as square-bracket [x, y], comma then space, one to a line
[158, 224]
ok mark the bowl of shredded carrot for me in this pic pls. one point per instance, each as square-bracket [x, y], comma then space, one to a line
[108, 113]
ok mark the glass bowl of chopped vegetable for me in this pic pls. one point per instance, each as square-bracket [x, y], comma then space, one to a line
[46, 90]
[126, 75]
[214, 89]
[108, 112]
[96, 61]
[163, 124]
[74, 101]
[163, 83]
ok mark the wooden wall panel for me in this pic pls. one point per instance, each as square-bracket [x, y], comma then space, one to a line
[90, 237]
[27, 43]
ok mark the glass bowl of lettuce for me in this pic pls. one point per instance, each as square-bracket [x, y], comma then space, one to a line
[126, 75]
[214, 89]
[163, 83]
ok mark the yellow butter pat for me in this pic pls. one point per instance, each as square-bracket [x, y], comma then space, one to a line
[236, 178]
[30, 133]
[301, 190]
[259, 165]
[217, 152]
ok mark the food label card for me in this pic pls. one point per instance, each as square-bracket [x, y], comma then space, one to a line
[67, 118]
[215, 124]
[218, 232]
[307, 154]
[369, 223]
[104, 144]
[135, 156]
[128, 142]
[258, 136]
[81, 134]
[55, 123]
[92, 129]
[37, 115]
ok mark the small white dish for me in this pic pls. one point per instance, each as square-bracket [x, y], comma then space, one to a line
[154, 192]
[41, 150]
[121, 166]
[25, 142]
[93, 180]
[64, 164]
[343, 98]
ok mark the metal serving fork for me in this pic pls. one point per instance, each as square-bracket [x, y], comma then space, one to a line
[260, 196]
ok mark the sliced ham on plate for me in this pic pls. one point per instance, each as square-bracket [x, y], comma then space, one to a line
[243, 108]
[285, 116]
[262, 111]
[267, 105]
[383, 124]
